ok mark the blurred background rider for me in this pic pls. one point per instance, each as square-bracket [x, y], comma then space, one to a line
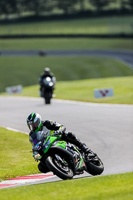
[47, 73]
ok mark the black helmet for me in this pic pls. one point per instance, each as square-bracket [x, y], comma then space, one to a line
[34, 122]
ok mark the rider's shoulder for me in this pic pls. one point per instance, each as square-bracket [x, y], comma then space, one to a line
[48, 122]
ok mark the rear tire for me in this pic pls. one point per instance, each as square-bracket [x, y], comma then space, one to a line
[94, 166]
[51, 163]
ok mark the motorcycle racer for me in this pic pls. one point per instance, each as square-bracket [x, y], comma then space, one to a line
[47, 73]
[40, 130]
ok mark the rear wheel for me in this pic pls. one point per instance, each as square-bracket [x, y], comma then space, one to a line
[94, 165]
[59, 166]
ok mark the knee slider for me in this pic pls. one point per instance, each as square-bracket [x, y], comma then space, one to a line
[42, 168]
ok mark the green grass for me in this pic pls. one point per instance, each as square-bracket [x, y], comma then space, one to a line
[121, 24]
[63, 44]
[16, 160]
[16, 156]
[26, 70]
[114, 187]
[83, 90]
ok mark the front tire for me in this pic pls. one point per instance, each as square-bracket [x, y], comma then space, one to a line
[47, 101]
[62, 170]
[48, 97]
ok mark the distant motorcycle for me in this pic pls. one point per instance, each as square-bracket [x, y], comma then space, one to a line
[47, 90]
[65, 159]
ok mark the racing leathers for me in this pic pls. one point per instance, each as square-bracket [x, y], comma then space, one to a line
[49, 128]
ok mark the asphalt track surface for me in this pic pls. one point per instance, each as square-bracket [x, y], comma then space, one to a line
[122, 55]
[105, 128]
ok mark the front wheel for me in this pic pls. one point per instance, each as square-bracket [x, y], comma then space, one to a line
[48, 97]
[59, 166]
[47, 101]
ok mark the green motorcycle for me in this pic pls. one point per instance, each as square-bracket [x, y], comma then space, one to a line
[65, 159]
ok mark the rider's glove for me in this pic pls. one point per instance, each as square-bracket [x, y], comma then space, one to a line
[59, 132]
[37, 157]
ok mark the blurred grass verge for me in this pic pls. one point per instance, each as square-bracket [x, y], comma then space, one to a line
[65, 44]
[97, 73]
[26, 70]
[83, 90]
[96, 25]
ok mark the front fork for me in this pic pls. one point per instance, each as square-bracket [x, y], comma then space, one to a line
[79, 161]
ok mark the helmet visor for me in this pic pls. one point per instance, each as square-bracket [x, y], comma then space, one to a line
[34, 125]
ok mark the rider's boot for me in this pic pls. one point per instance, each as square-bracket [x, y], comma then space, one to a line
[88, 152]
